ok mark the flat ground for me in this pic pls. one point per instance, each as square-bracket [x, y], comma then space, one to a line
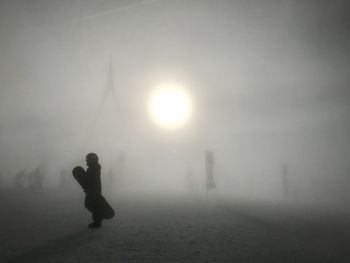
[48, 227]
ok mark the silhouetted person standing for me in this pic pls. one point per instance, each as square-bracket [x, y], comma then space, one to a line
[38, 179]
[20, 177]
[35, 179]
[90, 181]
[93, 189]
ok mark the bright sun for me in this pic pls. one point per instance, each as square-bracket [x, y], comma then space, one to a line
[170, 106]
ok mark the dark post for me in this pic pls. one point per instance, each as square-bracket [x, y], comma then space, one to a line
[209, 170]
[284, 171]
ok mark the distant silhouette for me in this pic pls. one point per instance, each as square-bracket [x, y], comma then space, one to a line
[209, 169]
[189, 178]
[36, 179]
[20, 178]
[284, 171]
[90, 181]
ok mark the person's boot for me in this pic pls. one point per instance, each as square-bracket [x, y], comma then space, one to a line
[95, 224]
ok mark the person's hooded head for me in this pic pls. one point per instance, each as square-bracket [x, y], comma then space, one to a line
[91, 159]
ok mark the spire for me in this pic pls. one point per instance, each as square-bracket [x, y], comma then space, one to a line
[108, 91]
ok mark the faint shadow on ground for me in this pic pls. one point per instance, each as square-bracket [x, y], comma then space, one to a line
[58, 247]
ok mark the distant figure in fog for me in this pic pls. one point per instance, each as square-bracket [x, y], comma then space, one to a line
[284, 171]
[20, 177]
[36, 179]
[189, 178]
[91, 183]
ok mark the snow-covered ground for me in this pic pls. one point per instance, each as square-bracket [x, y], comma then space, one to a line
[51, 227]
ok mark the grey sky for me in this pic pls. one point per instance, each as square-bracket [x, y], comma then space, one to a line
[268, 73]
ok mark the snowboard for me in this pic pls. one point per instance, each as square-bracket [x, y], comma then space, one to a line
[79, 175]
[107, 211]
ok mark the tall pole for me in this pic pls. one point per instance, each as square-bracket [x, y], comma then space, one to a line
[209, 171]
[284, 174]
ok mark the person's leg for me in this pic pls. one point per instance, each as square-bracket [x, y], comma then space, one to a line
[88, 203]
[97, 217]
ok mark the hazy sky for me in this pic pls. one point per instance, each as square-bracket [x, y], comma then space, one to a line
[269, 79]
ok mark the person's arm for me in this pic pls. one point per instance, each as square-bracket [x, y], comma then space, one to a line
[93, 179]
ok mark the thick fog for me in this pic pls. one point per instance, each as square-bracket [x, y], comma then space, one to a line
[268, 82]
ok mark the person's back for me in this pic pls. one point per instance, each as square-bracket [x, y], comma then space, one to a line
[93, 178]
[38, 178]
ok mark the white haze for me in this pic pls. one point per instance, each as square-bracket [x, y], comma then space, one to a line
[268, 78]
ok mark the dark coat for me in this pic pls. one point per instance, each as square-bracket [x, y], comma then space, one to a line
[93, 180]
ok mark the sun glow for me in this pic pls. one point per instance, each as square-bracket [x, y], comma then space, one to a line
[170, 106]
